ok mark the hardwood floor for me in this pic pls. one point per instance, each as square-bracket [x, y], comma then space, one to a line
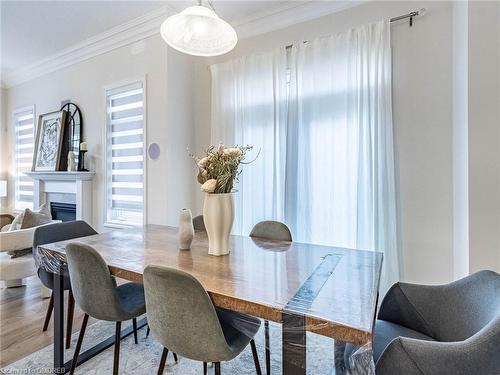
[22, 312]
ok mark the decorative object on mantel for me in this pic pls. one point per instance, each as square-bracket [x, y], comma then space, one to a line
[186, 229]
[72, 136]
[83, 150]
[217, 172]
[199, 31]
[48, 141]
[71, 162]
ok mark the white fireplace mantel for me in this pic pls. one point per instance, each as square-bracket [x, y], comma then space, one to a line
[78, 184]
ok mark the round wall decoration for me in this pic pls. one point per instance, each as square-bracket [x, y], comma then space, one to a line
[154, 151]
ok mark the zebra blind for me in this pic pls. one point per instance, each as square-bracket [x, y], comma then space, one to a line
[125, 154]
[24, 137]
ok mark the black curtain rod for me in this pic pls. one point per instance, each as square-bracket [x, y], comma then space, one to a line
[410, 15]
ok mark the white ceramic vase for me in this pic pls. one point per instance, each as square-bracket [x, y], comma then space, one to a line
[186, 229]
[71, 162]
[218, 217]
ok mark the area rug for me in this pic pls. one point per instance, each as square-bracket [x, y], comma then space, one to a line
[143, 358]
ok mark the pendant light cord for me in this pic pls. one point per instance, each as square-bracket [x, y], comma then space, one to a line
[210, 4]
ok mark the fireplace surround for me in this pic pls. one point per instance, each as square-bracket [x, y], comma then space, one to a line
[67, 190]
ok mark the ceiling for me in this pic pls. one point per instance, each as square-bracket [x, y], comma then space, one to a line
[33, 30]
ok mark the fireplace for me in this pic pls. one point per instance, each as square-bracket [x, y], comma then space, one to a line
[63, 211]
[65, 187]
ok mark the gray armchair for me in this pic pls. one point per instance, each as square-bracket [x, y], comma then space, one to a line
[445, 329]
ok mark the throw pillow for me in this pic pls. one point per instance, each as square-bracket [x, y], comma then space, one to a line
[35, 218]
[18, 221]
[19, 253]
[29, 219]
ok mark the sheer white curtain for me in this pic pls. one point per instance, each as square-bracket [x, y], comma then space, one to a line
[321, 113]
[249, 108]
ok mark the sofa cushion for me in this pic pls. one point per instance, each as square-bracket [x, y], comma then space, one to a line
[385, 332]
[35, 218]
[17, 222]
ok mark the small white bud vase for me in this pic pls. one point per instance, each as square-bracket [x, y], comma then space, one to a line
[71, 161]
[186, 229]
[218, 217]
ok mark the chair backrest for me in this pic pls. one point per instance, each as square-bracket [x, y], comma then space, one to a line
[272, 230]
[59, 232]
[198, 223]
[182, 316]
[91, 282]
[5, 219]
[468, 305]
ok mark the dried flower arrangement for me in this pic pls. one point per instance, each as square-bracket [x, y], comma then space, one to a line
[218, 170]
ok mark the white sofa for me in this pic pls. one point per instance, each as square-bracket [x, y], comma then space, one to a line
[14, 270]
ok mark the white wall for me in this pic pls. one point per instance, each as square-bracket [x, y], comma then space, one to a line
[422, 101]
[170, 180]
[3, 144]
[484, 135]
[460, 141]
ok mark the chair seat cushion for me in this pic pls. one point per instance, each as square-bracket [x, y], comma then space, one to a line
[16, 268]
[47, 279]
[238, 328]
[385, 332]
[131, 299]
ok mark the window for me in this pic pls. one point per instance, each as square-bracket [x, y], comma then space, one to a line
[125, 154]
[24, 126]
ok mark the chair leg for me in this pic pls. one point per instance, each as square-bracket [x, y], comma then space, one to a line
[175, 357]
[49, 312]
[79, 344]
[255, 358]
[268, 347]
[205, 369]
[217, 368]
[162, 361]
[134, 323]
[69, 324]
[116, 361]
[147, 332]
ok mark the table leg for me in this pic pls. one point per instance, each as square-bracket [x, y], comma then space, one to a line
[58, 324]
[294, 344]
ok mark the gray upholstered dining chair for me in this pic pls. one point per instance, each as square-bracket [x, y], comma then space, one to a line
[439, 330]
[198, 223]
[97, 294]
[271, 230]
[55, 233]
[190, 325]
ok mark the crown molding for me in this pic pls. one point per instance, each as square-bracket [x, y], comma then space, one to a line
[274, 18]
[116, 37]
[289, 14]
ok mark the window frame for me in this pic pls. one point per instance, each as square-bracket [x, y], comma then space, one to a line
[127, 82]
[16, 112]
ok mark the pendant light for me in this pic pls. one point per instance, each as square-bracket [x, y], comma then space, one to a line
[198, 31]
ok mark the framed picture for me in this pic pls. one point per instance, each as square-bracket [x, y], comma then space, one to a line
[48, 141]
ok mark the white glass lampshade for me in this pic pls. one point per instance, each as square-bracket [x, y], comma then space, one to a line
[3, 188]
[198, 31]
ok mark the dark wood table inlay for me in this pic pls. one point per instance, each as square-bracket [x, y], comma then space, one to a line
[327, 290]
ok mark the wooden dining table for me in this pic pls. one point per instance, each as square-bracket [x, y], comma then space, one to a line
[326, 290]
